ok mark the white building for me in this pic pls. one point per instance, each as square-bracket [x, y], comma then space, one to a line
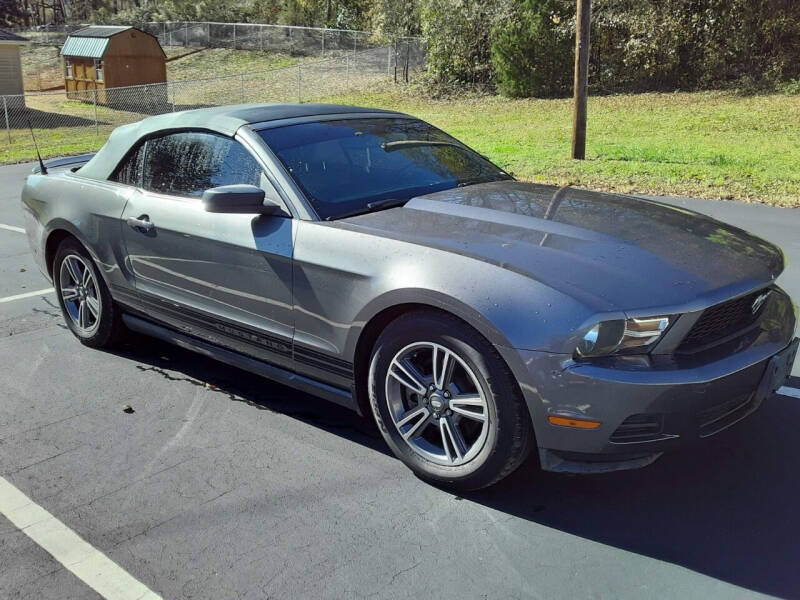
[10, 63]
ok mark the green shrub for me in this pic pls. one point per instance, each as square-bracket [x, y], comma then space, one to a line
[640, 45]
[532, 49]
[458, 37]
[636, 45]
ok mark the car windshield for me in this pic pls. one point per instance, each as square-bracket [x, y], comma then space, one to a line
[351, 166]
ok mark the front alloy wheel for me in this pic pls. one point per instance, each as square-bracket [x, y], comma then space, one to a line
[446, 403]
[437, 404]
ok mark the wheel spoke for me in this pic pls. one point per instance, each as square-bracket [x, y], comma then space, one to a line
[82, 314]
[452, 440]
[74, 270]
[87, 277]
[408, 376]
[466, 405]
[418, 417]
[94, 306]
[69, 294]
[443, 364]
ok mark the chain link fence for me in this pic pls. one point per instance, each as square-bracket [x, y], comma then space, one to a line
[46, 34]
[298, 41]
[290, 39]
[43, 69]
[80, 121]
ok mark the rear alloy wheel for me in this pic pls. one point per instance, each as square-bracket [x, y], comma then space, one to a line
[79, 294]
[85, 301]
[446, 402]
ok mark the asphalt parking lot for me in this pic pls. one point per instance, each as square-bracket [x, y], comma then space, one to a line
[224, 485]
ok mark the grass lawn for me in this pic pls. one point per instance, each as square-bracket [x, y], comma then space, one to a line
[62, 127]
[212, 62]
[41, 66]
[706, 144]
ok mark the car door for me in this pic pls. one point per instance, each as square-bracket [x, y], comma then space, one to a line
[224, 277]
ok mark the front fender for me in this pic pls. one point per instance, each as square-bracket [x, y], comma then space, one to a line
[424, 297]
[507, 308]
[344, 278]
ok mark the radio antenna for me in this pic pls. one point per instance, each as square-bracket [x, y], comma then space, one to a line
[42, 168]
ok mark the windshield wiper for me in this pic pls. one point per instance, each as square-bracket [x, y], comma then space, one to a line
[370, 207]
[401, 144]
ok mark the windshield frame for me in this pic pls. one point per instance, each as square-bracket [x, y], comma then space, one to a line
[309, 204]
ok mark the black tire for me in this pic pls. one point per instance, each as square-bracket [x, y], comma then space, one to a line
[107, 329]
[510, 434]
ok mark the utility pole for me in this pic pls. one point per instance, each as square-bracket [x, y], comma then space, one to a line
[582, 25]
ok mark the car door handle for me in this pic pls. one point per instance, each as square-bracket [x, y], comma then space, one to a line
[142, 224]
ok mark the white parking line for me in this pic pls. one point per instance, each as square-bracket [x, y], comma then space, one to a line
[27, 295]
[788, 391]
[12, 228]
[90, 565]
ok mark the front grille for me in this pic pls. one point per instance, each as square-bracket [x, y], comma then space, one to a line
[721, 321]
[638, 428]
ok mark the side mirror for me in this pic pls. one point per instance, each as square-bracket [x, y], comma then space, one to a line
[239, 199]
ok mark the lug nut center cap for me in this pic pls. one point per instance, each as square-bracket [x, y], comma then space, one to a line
[437, 402]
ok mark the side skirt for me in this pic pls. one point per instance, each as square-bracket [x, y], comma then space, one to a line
[277, 374]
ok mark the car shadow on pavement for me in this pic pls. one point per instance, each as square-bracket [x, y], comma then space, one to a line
[176, 364]
[727, 509]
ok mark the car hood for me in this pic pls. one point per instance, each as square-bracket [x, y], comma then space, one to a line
[609, 251]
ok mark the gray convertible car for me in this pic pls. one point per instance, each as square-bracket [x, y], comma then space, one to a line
[371, 259]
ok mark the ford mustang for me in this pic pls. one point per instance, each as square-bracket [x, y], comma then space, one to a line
[369, 258]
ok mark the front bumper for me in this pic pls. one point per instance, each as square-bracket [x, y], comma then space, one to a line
[649, 405]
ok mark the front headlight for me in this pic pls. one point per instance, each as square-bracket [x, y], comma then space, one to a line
[631, 335]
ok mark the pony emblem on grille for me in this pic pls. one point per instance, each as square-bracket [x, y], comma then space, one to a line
[759, 301]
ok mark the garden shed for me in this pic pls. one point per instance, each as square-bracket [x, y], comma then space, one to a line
[10, 66]
[101, 57]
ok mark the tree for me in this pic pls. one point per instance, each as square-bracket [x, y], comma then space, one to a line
[395, 20]
[458, 35]
[344, 14]
[532, 48]
[12, 14]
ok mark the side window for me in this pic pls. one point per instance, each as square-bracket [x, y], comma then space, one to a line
[130, 168]
[188, 163]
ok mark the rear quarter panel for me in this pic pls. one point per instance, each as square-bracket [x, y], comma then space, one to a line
[88, 209]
